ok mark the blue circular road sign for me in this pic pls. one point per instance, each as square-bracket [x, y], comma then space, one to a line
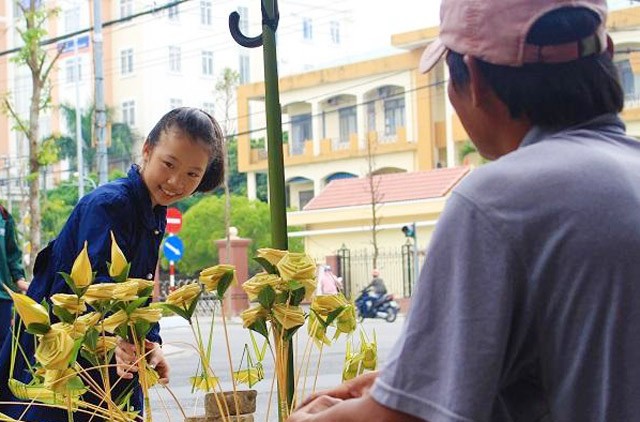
[173, 248]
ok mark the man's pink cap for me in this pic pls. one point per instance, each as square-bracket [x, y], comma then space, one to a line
[495, 31]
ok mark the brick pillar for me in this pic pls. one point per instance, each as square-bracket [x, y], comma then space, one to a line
[236, 299]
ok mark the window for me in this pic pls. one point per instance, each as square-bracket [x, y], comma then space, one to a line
[393, 115]
[71, 20]
[627, 78]
[174, 59]
[73, 70]
[244, 68]
[209, 108]
[174, 103]
[129, 113]
[307, 29]
[334, 28]
[244, 19]
[126, 8]
[371, 116]
[173, 13]
[126, 61]
[304, 196]
[300, 132]
[205, 12]
[348, 123]
[207, 63]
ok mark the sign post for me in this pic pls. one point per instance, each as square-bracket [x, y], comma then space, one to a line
[173, 247]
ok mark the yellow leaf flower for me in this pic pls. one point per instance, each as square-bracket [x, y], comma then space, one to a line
[126, 291]
[326, 304]
[288, 316]
[317, 331]
[249, 376]
[368, 351]
[111, 323]
[251, 315]
[184, 295]
[54, 349]
[148, 314]
[151, 375]
[102, 292]
[211, 276]
[118, 260]
[104, 345]
[203, 383]
[143, 284]
[71, 303]
[81, 272]
[297, 266]
[29, 310]
[309, 287]
[255, 284]
[57, 379]
[272, 255]
[86, 321]
[346, 321]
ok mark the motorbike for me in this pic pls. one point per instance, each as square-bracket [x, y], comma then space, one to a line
[369, 305]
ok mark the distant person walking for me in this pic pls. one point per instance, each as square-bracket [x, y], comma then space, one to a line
[329, 283]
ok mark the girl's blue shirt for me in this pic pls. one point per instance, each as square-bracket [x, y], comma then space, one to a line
[122, 206]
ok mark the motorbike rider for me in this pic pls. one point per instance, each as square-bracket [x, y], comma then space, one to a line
[376, 289]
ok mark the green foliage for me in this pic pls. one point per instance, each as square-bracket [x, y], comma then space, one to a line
[203, 224]
[48, 151]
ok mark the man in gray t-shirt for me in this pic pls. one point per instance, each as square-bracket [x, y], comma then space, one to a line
[528, 307]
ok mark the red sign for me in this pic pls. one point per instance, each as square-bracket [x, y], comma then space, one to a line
[174, 220]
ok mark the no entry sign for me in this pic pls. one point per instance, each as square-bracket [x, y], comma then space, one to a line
[174, 220]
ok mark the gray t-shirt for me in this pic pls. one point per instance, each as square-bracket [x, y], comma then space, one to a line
[528, 306]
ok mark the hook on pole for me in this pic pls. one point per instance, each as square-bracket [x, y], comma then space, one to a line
[252, 42]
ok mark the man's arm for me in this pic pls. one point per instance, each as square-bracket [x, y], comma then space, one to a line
[365, 409]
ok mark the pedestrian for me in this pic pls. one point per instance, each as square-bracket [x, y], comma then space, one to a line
[181, 155]
[11, 270]
[329, 283]
[527, 306]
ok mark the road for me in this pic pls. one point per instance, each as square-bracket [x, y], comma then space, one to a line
[178, 346]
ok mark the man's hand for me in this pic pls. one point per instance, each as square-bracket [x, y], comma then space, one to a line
[351, 389]
[157, 361]
[22, 285]
[307, 412]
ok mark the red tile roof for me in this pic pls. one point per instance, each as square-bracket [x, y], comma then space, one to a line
[389, 188]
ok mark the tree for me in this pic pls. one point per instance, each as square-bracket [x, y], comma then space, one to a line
[40, 64]
[201, 227]
[225, 91]
[373, 185]
[122, 138]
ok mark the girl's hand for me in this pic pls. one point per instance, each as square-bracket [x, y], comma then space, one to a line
[22, 285]
[126, 359]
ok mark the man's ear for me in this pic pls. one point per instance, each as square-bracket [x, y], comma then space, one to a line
[478, 87]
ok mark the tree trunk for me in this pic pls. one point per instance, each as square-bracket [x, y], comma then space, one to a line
[34, 170]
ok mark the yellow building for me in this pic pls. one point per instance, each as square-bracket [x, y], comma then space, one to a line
[378, 117]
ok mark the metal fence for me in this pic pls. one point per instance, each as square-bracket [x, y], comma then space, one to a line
[207, 304]
[395, 265]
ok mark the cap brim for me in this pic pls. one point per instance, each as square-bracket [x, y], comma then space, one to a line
[432, 55]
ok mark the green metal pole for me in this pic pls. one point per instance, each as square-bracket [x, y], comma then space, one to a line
[275, 158]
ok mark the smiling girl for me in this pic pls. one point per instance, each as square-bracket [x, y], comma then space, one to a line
[182, 155]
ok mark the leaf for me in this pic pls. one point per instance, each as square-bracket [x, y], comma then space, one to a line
[192, 307]
[74, 353]
[288, 334]
[89, 357]
[224, 283]
[296, 296]
[175, 309]
[334, 314]
[268, 267]
[266, 297]
[36, 328]
[63, 314]
[45, 304]
[67, 279]
[91, 338]
[135, 305]
[146, 292]
[260, 327]
[142, 328]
